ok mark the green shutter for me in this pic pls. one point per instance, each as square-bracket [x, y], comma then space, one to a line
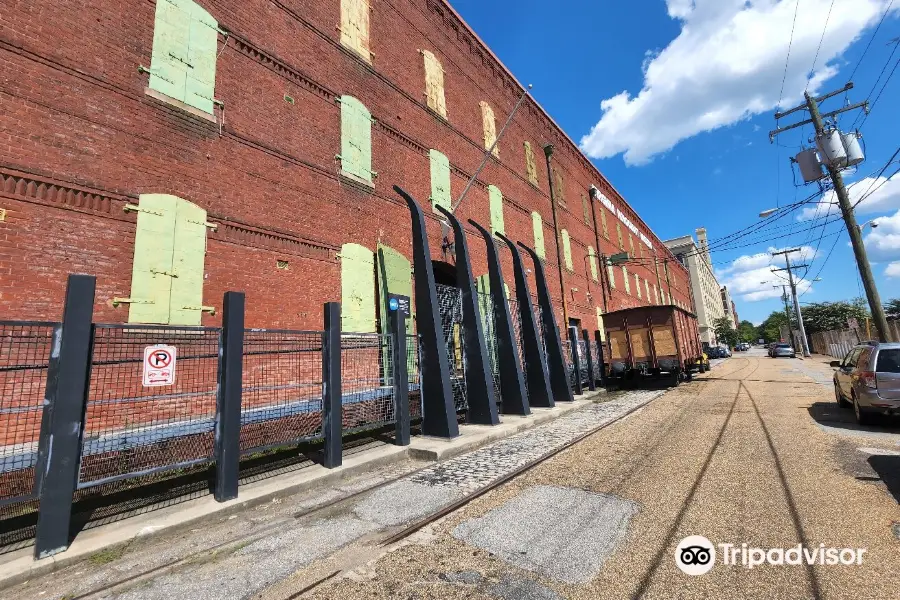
[537, 225]
[394, 277]
[647, 289]
[188, 258]
[357, 289]
[496, 199]
[637, 284]
[171, 40]
[627, 283]
[593, 260]
[356, 139]
[202, 51]
[567, 250]
[151, 275]
[612, 276]
[600, 327]
[440, 180]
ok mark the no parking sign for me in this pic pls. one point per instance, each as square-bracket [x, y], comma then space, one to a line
[159, 365]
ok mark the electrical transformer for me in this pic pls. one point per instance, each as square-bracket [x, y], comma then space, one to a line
[852, 147]
[832, 148]
[810, 165]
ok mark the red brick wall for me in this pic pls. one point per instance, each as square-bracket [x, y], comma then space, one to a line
[79, 139]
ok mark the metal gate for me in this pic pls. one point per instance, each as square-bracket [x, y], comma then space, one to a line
[450, 308]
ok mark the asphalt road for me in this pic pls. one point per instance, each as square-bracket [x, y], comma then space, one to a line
[756, 452]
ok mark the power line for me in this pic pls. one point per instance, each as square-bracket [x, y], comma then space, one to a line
[886, 81]
[780, 98]
[875, 85]
[821, 39]
[871, 39]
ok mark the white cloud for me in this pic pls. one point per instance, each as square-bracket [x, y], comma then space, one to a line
[893, 269]
[750, 277]
[883, 243]
[725, 65]
[882, 195]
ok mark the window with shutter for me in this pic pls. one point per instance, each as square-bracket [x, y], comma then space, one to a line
[619, 234]
[627, 283]
[611, 275]
[394, 276]
[169, 257]
[496, 200]
[357, 289]
[647, 289]
[631, 245]
[356, 140]
[655, 294]
[603, 221]
[537, 226]
[530, 166]
[434, 84]
[355, 27]
[185, 47]
[585, 208]
[490, 127]
[567, 250]
[440, 180]
[600, 327]
[592, 258]
[637, 284]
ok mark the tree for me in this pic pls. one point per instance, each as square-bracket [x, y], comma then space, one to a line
[725, 332]
[747, 331]
[892, 308]
[770, 329]
[827, 316]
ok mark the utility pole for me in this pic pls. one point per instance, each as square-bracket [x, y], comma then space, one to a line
[787, 311]
[787, 262]
[834, 171]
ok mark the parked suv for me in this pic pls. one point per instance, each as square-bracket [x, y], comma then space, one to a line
[869, 379]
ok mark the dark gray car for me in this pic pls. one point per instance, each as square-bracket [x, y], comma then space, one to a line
[783, 350]
[868, 378]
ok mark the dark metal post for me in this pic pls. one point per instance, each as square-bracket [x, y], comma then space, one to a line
[40, 467]
[600, 358]
[536, 375]
[592, 384]
[401, 378]
[438, 410]
[556, 365]
[228, 402]
[512, 382]
[479, 379]
[68, 399]
[332, 419]
[576, 361]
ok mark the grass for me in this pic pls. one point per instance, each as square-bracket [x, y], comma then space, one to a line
[108, 555]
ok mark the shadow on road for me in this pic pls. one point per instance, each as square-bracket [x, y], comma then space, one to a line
[888, 468]
[829, 414]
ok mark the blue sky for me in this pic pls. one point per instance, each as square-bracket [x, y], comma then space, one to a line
[673, 101]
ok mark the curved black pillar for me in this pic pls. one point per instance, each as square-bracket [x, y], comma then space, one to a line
[438, 411]
[590, 358]
[512, 383]
[479, 380]
[535, 362]
[556, 364]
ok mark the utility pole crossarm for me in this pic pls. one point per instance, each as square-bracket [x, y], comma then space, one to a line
[864, 105]
[847, 87]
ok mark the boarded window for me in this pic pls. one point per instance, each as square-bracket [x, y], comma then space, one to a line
[603, 222]
[647, 289]
[656, 294]
[355, 27]
[600, 327]
[637, 284]
[356, 140]
[559, 191]
[185, 46]
[619, 234]
[537, 225]
[592, 259]
[627, 283]
[489, 126]
[440, 180]
[586, 209]
[357, 289]
[567, 249]
[530, 167]
[611, 275]
[434, 84]
[496, 201]
[169, 256]
[631, 245]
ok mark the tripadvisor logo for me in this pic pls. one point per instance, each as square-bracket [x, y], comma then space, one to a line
[696, 555]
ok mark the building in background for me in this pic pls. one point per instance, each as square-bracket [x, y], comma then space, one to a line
[737, 321]
[706, 289]
[728, 307]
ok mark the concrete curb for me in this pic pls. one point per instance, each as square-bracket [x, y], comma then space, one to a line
[20, 565]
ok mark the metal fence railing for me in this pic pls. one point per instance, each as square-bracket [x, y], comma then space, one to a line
[567, 358]
[450, 308]
[412, 370]
[489, 327]
[134, 429]
[367, 385]
[582, 361]
[25, 353]
[596, 355]
[281, 399]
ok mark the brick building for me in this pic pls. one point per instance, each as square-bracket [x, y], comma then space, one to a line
[179, 149]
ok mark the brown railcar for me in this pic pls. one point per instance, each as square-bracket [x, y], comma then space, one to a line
[658, 341]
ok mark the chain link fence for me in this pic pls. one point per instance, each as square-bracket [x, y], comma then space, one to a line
[367, 385]
[450, 308]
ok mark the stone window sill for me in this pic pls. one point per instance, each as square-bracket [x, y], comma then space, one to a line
[196, 112]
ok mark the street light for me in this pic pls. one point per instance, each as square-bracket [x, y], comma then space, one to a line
[873, 223]
[767, 212]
